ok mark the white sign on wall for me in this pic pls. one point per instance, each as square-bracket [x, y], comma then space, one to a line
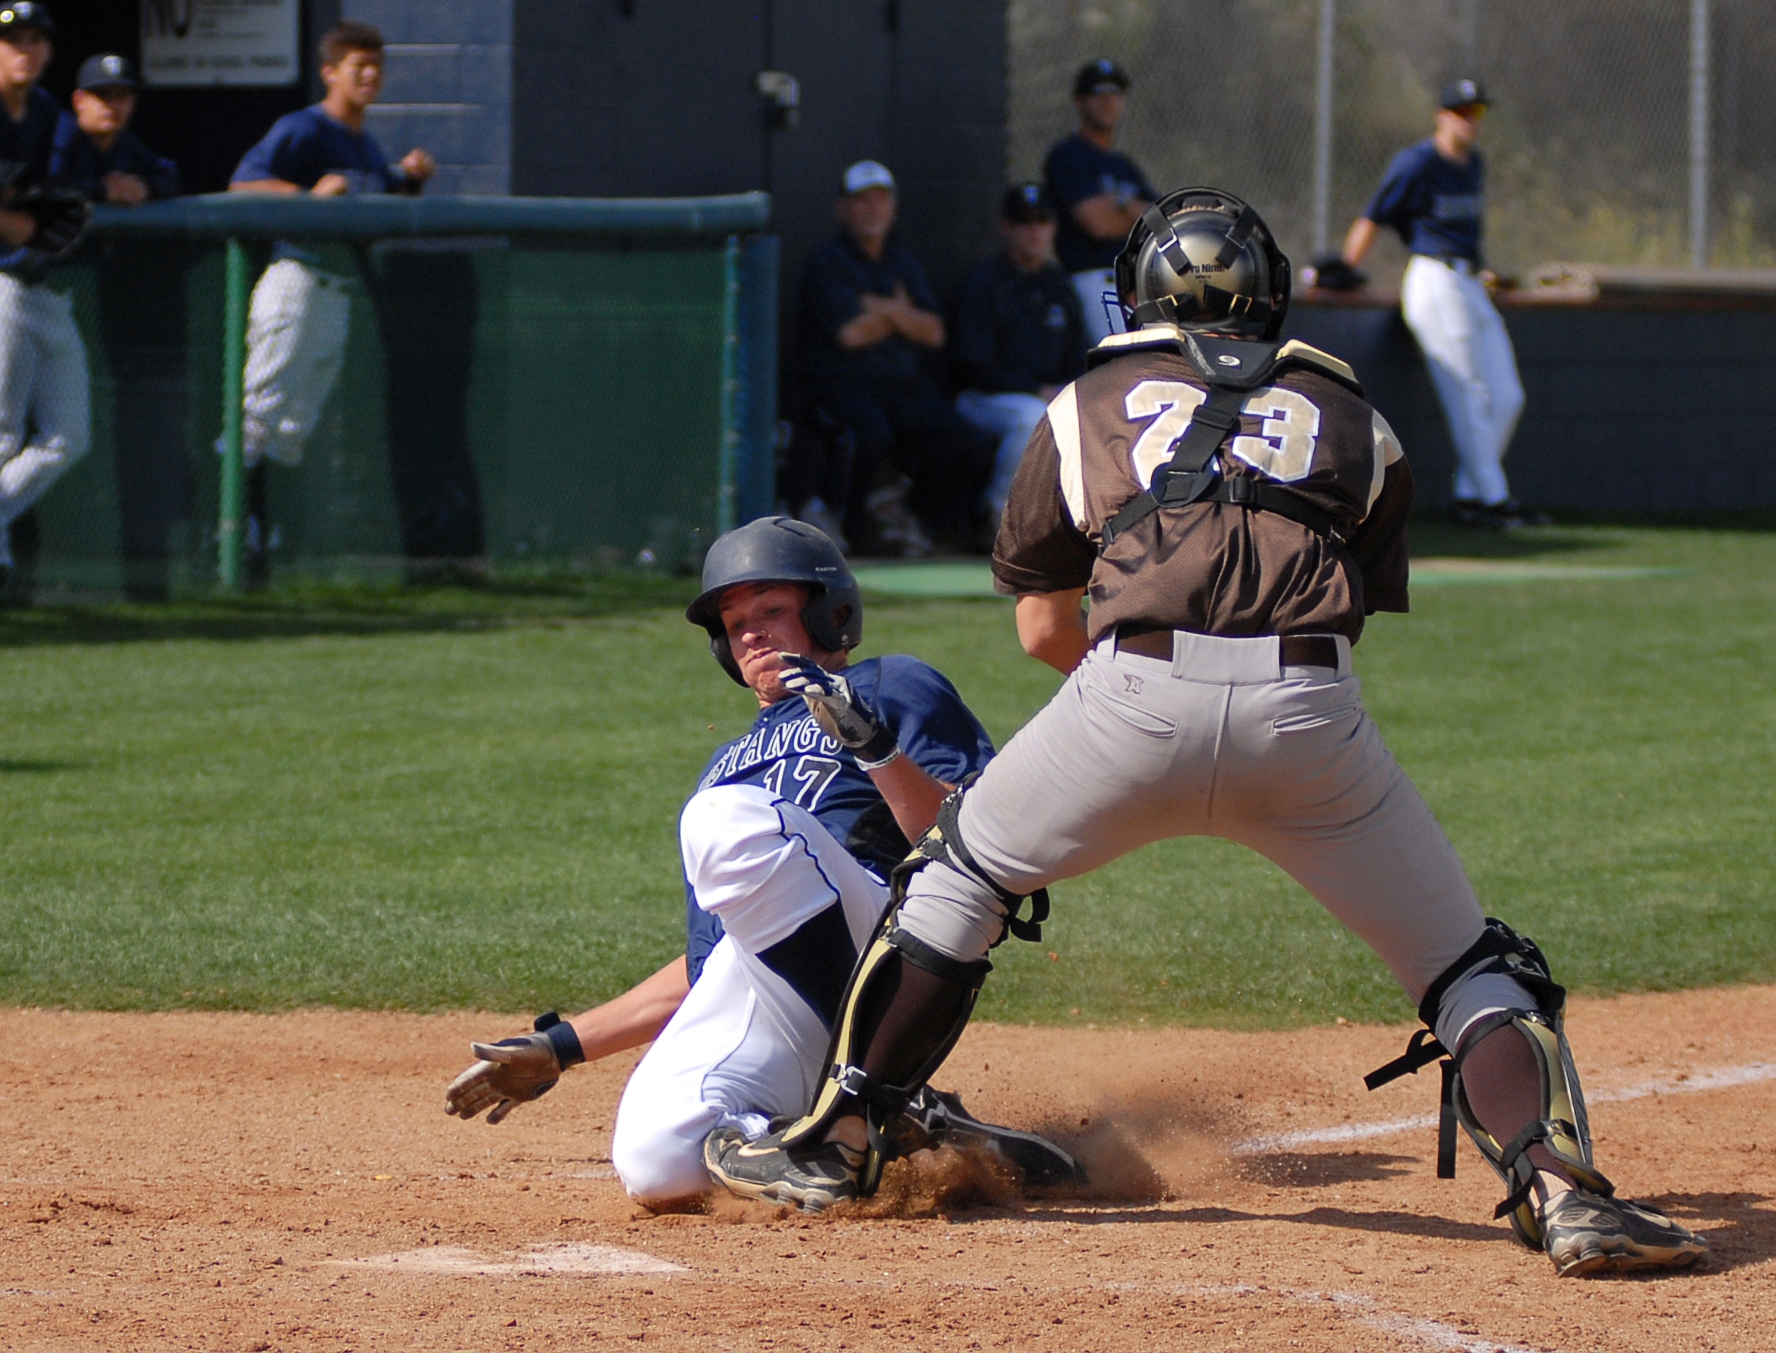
[221, 42]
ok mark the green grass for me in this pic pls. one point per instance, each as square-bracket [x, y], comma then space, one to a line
[388, 799]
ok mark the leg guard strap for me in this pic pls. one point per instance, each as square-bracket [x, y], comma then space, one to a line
[944, 842]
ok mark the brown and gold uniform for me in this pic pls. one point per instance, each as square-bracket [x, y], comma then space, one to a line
[1218, 697]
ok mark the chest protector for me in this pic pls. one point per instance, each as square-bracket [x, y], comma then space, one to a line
[1232, 369]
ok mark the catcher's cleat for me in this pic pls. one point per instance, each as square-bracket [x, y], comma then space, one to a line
[946, 1123]
[1585, 1232]
[810, 1178]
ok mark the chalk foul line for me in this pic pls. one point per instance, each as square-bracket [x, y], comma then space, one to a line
[1719, 1078]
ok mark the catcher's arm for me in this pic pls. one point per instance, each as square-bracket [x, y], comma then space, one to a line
[515, 1071]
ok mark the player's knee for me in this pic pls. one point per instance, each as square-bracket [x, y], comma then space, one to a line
[955, 914]
[729, 829]
[658, 1167]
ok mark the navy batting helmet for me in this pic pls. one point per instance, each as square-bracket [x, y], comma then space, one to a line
[781, 550]
[1202, 259]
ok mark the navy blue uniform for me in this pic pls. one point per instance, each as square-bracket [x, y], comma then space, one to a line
[1013, 331]
[24, 160]
[1076, 170]
[895, 411]
[790, 755]
[837, 277]
[75, 160]
[1432, 202]
[305, 146]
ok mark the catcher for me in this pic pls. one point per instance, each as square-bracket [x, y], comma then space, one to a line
[43, 380]
[787, 844]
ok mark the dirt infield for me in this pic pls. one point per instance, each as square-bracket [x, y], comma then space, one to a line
[255, 1183]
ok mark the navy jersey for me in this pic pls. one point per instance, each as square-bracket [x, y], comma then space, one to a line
[305, 146]
[76, 160]
[790, 755]
[1016, 331]
[837, 276]
[1434, 203]
[24, 160]
[1076, 169]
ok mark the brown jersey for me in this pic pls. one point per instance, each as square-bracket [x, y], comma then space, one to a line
[1211, 567]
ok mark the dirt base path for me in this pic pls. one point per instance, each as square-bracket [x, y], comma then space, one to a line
[256, 1183]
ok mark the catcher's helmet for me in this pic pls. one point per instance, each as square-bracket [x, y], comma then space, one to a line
[781, 550]
[1202, 259]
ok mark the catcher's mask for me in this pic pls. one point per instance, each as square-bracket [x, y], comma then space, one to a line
[781, 550]
[1202, 259]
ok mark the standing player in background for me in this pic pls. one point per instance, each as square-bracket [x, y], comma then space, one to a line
[1432, 195]
[786, 845]
[1101, 193]
[1016, 334]
[297, 324]
[43, 380]
[96, 152]
[1235, 507]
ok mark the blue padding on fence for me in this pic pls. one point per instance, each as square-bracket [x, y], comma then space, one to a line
[383, 216]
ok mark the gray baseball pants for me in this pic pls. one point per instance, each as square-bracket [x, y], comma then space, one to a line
[1220, 741]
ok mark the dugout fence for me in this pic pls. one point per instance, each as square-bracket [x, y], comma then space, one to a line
[547, 382]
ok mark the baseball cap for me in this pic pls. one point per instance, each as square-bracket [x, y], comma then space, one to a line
[1025, 202]
[25, 14]
[866, 174]
[1463, 94]
[1100, 74]
[107, 70]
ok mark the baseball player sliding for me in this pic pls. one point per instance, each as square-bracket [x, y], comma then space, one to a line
[786, 846]
[1235, 509]
[1431, 195]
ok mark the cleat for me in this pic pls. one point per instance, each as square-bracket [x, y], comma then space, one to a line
[1587, 1232]
[812, 1179]
[1041, 1163]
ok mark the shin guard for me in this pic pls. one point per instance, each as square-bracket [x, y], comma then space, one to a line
[1562, 1128]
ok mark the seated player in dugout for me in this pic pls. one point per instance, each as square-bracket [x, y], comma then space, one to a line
[786, 845]
[1099, 191]
[1235, 507]
[1016, 334]
[300, 311]
[869, 327]
[96, 151]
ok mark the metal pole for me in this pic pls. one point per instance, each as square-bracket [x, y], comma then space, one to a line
[1322, 204]
[727, 501]
[1698, 133]
[234, 360]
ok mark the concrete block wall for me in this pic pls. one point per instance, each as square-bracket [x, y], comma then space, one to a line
[447, 87]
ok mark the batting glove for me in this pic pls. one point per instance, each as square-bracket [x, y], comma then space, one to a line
[837, 709]
[514, 1071]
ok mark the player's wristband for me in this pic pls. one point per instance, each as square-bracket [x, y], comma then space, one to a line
[562, 1038]
[892, 755]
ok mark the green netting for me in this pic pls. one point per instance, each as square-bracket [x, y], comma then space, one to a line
[584, 398]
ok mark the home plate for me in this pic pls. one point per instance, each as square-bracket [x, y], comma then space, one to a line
[538, 1259]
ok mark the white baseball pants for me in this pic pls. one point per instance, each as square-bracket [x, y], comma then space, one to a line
[744, 1047]
[1011, 417]
[296, 331]
[1469, 355]
[1219, 741]
[43, 385]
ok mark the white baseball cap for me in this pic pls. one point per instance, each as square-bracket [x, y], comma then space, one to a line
[867, 174]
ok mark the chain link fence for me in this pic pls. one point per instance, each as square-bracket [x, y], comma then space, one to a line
[551, 384]
[1593, 141]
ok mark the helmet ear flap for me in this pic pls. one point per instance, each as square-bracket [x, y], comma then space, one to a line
[724, 654]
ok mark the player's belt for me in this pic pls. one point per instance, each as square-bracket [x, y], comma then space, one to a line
[1293, 650]
[1460, 263]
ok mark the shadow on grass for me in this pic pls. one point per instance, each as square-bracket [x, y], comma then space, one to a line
[10, 766]
[1432, 539]
[300, 609]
